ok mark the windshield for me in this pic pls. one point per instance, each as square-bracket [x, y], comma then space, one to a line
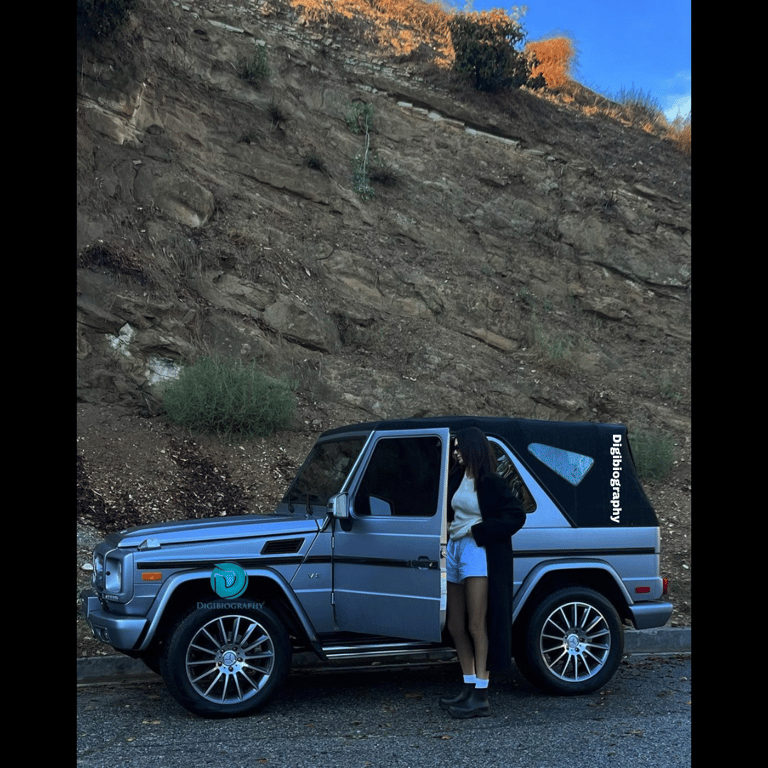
[325, 470]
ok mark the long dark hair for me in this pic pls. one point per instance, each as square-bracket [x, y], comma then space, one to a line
[479, 458]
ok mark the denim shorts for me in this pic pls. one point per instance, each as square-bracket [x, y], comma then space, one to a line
[464, 558]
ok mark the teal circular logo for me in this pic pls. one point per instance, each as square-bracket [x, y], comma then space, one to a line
[228, 580]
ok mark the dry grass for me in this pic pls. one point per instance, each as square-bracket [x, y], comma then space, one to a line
[680, 134]
[555, 58]
[404, 27]
[399, 25]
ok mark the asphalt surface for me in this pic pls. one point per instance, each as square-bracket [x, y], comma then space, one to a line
[114, 668]
[391, 719]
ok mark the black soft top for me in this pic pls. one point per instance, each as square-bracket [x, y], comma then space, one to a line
[609, 494]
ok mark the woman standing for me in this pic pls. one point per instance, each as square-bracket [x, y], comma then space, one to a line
[482, 515]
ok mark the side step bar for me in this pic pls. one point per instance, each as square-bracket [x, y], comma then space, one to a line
[372, 650]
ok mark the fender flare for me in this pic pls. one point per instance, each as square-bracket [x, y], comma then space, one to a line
[170, 586]
[541, 570]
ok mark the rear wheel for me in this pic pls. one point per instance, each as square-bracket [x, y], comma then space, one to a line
[223, 662]
[572, 642]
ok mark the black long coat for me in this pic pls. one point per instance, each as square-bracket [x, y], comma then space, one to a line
[502, 516]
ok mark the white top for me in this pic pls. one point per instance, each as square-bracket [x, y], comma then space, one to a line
[466, 509]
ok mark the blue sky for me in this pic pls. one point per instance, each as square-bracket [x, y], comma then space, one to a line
[635, 45]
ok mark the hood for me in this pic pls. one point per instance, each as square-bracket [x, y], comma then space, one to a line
[214, 529]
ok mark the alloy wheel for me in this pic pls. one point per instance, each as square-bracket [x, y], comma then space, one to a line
[230, 659]
[575, 641]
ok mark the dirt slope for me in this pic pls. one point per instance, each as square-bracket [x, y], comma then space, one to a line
[520, 256]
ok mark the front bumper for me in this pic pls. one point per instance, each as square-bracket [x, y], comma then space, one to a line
[650, 615]
[121, 632]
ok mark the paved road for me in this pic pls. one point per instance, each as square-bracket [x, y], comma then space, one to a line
[390, 719]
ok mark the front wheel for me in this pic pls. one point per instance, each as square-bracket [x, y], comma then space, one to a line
[572, 642]
[223, 662]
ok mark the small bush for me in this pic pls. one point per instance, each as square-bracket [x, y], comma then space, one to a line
[653, 453]
[229, 397]
[276, 112]
[359, 117]
[484, 45]
[313, 160]
[381, 171]
[680, 134]
[554, 60]
[256, 68]
[360, 179]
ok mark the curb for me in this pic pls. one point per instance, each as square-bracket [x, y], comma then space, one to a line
[110, 669]
[661, 640]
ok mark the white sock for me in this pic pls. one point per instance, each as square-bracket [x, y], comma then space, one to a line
[470, 679]
[481, 683]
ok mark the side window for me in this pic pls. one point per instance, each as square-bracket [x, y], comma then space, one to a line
[505, 468]
[569, 465]
[402, 478]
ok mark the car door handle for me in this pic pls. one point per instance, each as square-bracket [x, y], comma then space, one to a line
[423, 563]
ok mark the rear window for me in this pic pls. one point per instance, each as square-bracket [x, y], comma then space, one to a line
[506, 469]
[569, 465]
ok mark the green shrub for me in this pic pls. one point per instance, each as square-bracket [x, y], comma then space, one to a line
[484, 47]
[381, 171]
[359, 117]
[229, 397]
[654, 454]
[100, 19]
[256, 68]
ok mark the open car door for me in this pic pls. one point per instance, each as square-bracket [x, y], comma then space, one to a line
[389, 550]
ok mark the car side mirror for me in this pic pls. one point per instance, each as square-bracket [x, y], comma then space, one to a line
[338, 506]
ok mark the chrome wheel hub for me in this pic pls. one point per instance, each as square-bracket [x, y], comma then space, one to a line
[573, 643]
[231, 660]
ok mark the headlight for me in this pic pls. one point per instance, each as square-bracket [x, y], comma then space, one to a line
[107, 571]
[98, 571]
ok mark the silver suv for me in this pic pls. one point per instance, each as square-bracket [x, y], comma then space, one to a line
[352, 565]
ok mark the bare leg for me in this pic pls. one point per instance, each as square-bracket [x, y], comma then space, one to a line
[476, 601]
[467, 610]
[457, 626]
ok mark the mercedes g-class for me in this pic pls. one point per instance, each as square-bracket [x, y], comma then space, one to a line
[352, 564]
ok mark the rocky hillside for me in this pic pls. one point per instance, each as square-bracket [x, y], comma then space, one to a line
[513, 254]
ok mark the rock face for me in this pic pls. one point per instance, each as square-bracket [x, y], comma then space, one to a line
[518, 257]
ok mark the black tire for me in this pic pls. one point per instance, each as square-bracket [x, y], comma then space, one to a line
[221, 662]
[571, 644]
